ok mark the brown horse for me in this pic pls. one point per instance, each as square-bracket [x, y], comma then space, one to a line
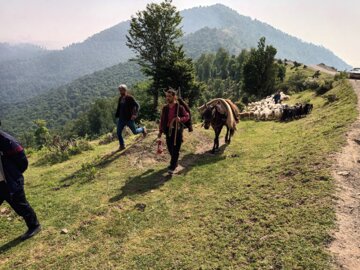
[217, 114]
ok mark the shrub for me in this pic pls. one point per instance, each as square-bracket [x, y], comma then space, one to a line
[240, 105]
[324, 86]
[311, 83]
[108, 138]
[61, 150]
[296, 65]
[88, 171]
[296, 81]
[316, 74]
[340, 76]
[284, 87]
[331, 98]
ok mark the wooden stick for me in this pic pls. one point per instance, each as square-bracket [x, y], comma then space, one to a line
[176, 122]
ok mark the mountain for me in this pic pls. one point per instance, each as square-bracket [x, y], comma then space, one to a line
[235, 32]
[26, 78]
[10, 52]
[206, 29]
[59, 105]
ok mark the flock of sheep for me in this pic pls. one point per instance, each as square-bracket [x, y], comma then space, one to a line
[266, 109]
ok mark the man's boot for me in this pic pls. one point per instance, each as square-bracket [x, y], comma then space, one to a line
[33, 227]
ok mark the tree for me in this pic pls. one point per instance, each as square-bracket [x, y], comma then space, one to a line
[27, 139]
[178, 72]
[153, 35]
[42, 135]
[281, 72]
[101, 117]
[260, 70]
[221, 62]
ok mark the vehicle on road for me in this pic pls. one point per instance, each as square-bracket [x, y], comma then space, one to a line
[354, 73]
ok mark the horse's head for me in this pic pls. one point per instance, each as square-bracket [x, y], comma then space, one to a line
[207, 116]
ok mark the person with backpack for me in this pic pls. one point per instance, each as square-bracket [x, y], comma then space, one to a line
[171, 114]
[13, 163]
[127, 111]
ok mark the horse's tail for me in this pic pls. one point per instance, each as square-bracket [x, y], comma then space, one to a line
[230, 121]
[234, 108]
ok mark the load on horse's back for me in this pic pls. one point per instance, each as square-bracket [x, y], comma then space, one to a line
[218, 113]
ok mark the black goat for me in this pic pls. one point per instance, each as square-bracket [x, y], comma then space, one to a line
[296, 112]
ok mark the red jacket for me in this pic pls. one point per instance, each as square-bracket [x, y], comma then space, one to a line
[168, 114]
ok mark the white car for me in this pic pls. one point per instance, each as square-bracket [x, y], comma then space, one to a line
[354, 73]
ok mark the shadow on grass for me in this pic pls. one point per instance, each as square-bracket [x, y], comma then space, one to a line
[10, 245]
[88, 170]
[152, 179]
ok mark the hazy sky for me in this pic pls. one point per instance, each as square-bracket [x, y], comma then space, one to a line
[57, 23]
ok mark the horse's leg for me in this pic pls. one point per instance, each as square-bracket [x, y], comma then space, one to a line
[216, 141]
[218, 136]
[231, 133]
[214, 146]
[227, 137]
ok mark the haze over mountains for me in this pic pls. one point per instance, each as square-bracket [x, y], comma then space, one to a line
[206, 29]
[12, 52]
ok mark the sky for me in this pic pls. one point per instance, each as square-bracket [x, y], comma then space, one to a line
[54, 24]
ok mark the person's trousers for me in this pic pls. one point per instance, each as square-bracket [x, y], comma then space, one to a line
[131, 124]
[20, 205]
[174, 150]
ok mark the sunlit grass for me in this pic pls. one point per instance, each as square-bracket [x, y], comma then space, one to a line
[265, 202]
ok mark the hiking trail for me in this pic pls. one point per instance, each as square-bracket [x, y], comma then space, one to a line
[346, 172]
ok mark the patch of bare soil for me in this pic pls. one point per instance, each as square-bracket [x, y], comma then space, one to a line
[325, 69]
[143, 153]
[346, 244]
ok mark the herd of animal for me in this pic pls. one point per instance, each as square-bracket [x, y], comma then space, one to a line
[219, 112]
[267, 109]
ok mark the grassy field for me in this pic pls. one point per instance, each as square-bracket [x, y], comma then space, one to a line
[263, 202]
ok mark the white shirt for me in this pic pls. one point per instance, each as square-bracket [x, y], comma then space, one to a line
[2, 175]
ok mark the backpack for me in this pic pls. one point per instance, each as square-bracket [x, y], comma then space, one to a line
[187, 124]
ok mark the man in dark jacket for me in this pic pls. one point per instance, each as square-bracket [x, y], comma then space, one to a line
[13, 163]
[127, 111]
[168, 121]
[277, 98]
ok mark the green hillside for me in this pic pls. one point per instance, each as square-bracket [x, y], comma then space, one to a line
[67, 102]
[263, 202]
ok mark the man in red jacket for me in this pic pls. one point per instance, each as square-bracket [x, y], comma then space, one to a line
[168, 121]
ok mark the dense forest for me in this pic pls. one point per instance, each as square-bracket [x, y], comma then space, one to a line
[67, 102]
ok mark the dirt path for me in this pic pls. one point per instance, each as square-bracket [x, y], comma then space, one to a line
[324, 69]
[346, 244]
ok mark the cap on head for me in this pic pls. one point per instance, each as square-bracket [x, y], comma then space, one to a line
[123, 86]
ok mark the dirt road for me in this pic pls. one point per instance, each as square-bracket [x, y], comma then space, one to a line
[324, 69]
[346, 245]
